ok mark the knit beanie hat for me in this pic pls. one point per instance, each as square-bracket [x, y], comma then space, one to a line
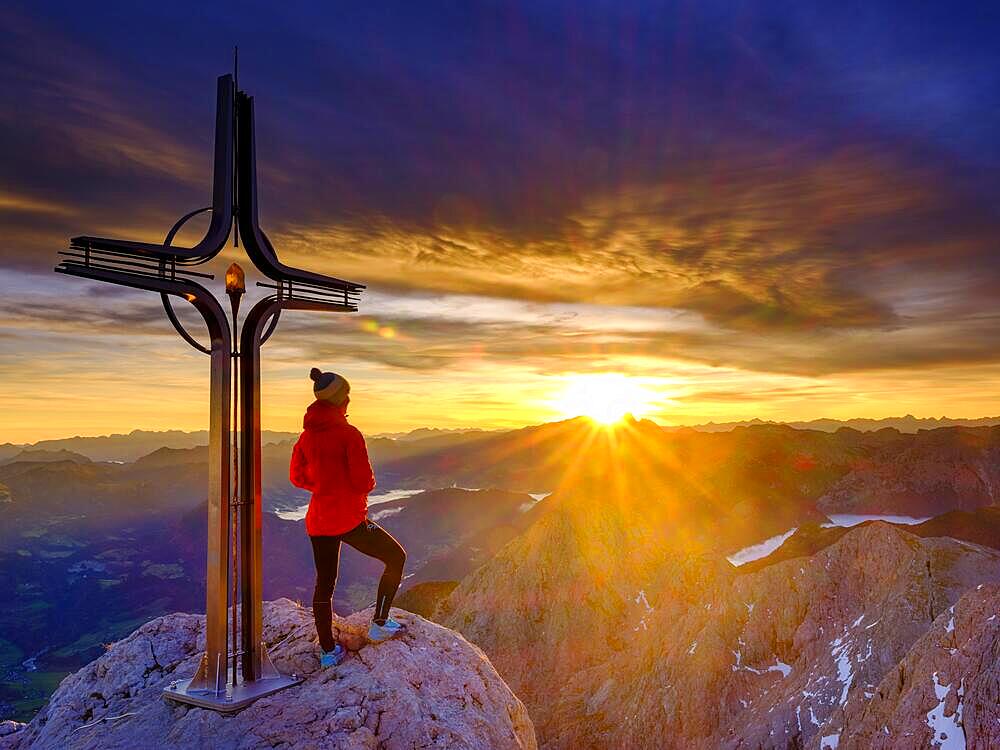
[330, 386]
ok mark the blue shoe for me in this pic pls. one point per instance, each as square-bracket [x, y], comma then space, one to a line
[378, 633]
[331, 658]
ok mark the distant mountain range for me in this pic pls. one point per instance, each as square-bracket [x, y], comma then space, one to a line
[619, 573]
[138, 443]
[908, 423]
[121, 447]
[427, 432]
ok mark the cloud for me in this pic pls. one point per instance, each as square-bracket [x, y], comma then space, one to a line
[499, 332]
[85, 149]
[13, 203]
[810, 258]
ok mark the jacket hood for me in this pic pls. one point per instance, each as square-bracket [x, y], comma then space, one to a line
[322, 415]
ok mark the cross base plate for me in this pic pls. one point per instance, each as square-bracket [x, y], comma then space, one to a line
[235, 697]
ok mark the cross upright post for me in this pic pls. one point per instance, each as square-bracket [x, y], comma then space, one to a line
[167, 270]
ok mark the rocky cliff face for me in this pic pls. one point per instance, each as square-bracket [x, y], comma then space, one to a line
[947, 469]
[945, 693]
[430, 688]
[699, 657]
[568, 592]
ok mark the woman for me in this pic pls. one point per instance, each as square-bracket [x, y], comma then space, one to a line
[330, 460]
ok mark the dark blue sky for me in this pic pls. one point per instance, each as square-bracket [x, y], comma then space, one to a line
[523, 111]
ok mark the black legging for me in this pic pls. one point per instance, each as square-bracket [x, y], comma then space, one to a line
[370, 539]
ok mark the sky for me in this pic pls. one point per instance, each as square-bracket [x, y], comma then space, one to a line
[780, 210]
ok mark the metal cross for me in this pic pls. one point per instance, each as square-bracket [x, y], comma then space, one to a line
[166, 269]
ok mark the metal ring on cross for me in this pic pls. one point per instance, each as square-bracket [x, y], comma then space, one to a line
[270, 326]
[165, 298]
[168, 306]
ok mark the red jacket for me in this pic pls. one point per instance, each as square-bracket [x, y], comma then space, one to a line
[330, 460]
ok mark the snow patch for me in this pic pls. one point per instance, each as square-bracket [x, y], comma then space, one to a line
[950, 627]
[388, 497]
[295, 514]
[839, 650]
[762, 549]
[868, 652]
[947, 730]
[640, 598]
[780, 666]
[851, 519]
[829, 741]
[739, 655]
[536, 498]
[380, 514]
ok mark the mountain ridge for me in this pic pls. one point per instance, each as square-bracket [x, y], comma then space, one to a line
[579, 646]
[132, 445]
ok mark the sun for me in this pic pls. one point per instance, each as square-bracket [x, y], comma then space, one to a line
[605, 398]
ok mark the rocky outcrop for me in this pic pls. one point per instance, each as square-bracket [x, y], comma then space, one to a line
[429, 688]
[702, 658]
[945, 693]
